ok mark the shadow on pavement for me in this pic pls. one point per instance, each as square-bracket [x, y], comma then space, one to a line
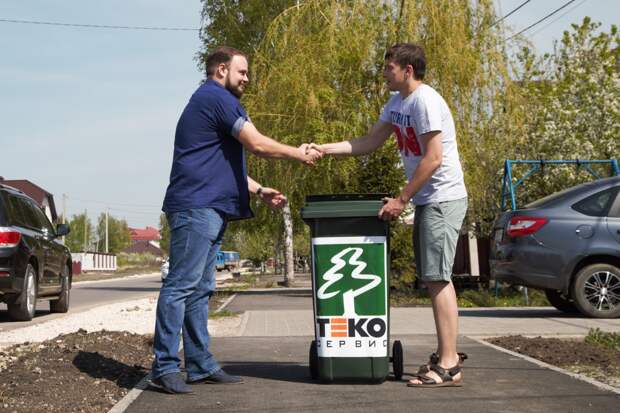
[4, 316]
[291, 372]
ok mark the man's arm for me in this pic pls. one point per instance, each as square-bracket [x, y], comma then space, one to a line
[261, 145]
[363, 145]
[433, 156]
[272, 197]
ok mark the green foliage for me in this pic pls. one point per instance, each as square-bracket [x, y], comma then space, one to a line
[309, 87]
[573, 105]
[401, 257]
[164, 231]
[253, 245]
[119, 236]
[80, 226]
[603, 338]
[238, 24]
[317, 76]
[507, 297]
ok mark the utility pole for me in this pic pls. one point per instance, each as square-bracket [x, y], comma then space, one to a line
[64, 212]
[85, 230]
[107, 213]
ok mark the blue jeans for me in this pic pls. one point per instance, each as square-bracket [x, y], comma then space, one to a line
[183, 304]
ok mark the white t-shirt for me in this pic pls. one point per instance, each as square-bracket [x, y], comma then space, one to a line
[421, 112]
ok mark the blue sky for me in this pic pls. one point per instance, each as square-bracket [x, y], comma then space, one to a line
[91, 113]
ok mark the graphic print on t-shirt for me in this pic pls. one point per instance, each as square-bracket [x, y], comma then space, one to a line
[407, 143]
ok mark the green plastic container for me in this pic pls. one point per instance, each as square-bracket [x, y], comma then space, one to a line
[350, 284]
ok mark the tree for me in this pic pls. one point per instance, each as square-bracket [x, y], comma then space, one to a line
[307, 86]
[317, 76]
[253, 246]
[119, 236]
[574, 105]
[242, 25]
[238, 24]
[164, 231]
[82, 234]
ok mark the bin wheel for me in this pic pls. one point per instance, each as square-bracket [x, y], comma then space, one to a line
[397, 359]
[314, 361]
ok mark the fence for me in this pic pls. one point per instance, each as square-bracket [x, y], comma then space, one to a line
[95, 261]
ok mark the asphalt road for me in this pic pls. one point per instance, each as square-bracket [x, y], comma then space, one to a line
[90, 294]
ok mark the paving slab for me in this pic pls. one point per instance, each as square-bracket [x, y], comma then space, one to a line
[277, 380]
[292, 315]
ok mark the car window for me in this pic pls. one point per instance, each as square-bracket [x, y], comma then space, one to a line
[31, 220]
[597, 205]
[41, 220]
[15, 211]
[3, 207]
[614, 211]
[549, 198]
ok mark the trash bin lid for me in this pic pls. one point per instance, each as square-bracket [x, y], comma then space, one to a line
[342, 205]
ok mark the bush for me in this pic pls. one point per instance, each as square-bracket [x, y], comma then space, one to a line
[137, 260]
[603, 338]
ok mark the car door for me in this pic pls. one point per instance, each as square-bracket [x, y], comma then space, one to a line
[27, 223]
[52, 251]
[613, 218]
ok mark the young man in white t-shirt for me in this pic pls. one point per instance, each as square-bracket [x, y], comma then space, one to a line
[426, 137]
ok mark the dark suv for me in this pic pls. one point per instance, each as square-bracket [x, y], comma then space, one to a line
[33, 263]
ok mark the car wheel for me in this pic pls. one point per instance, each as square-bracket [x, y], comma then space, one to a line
[25, 305]
[561, 302]
[596, 291]
[62, 304]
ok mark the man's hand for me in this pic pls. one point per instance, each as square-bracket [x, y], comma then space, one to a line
[310, 153]
[392, 209]
[273, 198]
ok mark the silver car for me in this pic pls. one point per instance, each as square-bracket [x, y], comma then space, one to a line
[567, 244]
[165, 267]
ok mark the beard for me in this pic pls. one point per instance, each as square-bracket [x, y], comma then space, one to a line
[235, 90]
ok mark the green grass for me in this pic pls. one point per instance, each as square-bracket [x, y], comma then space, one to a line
[475, 298]
[607, 339]
[222, 314]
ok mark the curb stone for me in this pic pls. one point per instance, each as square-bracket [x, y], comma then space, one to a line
[577, 376]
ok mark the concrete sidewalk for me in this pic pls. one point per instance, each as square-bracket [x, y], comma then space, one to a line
[271, 353]
[290, 314]
[277, 380]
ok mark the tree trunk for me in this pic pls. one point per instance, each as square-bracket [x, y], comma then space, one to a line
[289, 260]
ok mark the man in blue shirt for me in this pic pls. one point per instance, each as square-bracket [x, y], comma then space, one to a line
[208, 187]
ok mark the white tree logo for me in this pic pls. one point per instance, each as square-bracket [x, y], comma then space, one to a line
[333, 275]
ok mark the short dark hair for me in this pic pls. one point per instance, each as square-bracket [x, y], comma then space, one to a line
[408, 54]
[222, 54]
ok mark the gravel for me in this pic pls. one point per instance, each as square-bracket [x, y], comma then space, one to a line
[136, 316]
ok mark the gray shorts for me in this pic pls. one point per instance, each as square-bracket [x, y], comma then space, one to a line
[436, 229]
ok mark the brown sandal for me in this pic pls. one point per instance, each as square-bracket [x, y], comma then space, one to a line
[434, 359]
[446, 376]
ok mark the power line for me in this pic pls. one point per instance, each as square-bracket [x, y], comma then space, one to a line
[510, 13]
[557, 18]
[543, 19]
[97, 26]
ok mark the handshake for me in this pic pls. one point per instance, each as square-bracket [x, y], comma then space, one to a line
[310, 153]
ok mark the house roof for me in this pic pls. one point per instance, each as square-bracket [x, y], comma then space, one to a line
[142, 247]
[146, 234]
[34, 191]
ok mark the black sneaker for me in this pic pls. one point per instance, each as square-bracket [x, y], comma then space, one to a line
[172, 383]
[219, 377]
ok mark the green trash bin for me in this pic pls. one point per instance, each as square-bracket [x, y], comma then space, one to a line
[350, 284]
